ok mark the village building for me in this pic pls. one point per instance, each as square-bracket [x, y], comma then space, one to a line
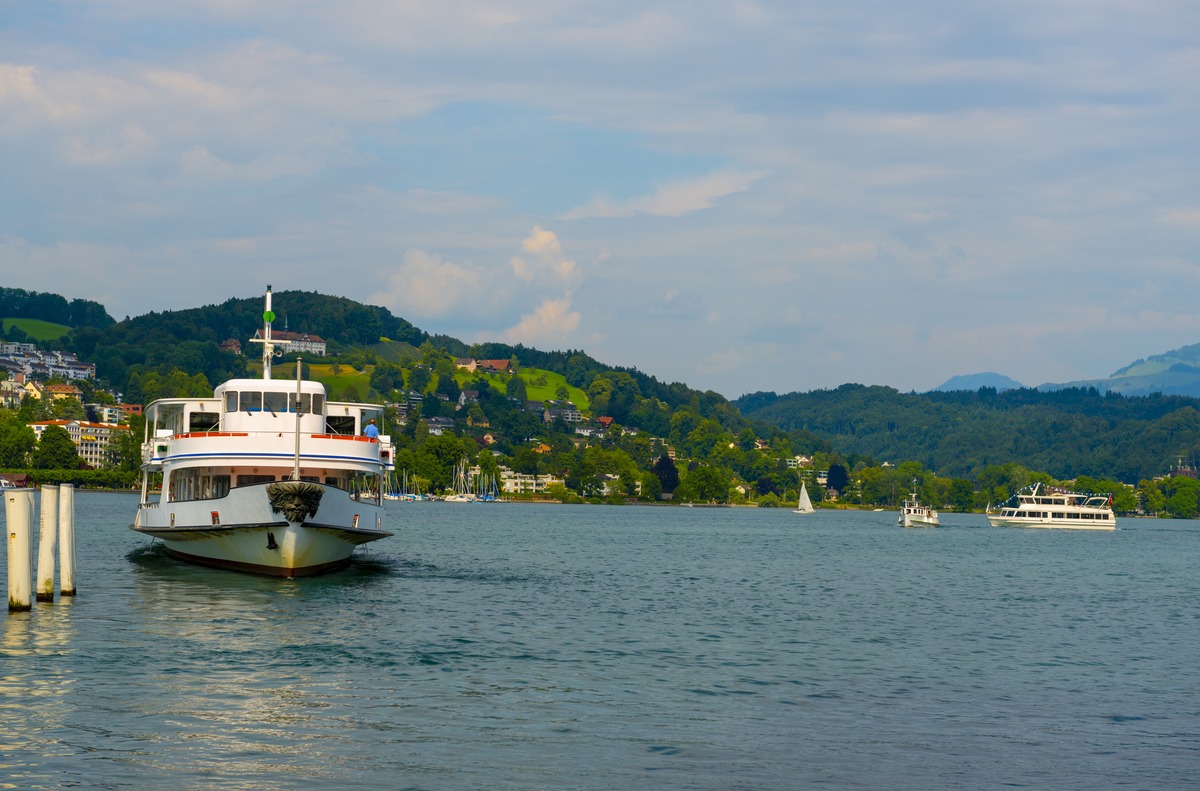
[55, 392]
[512, 482]
[94, 442]
[495, 366]
[296, 341]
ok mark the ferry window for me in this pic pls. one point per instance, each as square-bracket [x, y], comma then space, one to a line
[250, 401]
[276, 402]
[204, 421]
[305, 403]
[310, 478]
[220, 485]
[318, 404]
[340, 424]
[250, 480]
[332, 481]
[1057, 515]
[231, 402]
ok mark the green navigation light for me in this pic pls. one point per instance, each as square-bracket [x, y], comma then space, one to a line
[269, 316]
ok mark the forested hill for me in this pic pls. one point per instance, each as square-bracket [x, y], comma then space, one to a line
[17, 303]
[1066, 432]
[189, 339]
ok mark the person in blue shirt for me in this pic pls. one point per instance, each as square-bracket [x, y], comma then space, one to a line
[371, 430]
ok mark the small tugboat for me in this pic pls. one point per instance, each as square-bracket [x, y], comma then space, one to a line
[266, 476]
[913, 514]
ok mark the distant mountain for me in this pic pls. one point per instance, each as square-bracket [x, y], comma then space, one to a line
[1176, 372]
[973, 382]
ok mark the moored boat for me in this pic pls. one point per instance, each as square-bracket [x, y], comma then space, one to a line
[1043, 506]
[266, 476]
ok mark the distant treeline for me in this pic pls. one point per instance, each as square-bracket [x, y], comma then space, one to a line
[16, 303]
[1068, 432]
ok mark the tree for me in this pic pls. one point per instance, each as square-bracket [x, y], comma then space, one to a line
[837, 478]
[962, 495]
[515, 388]
[16, 441]
[667, 473]
[55, 451]
[705, 483]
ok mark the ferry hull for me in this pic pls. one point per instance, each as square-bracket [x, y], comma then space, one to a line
[912, 520]
[1056, 524]
[242, 532]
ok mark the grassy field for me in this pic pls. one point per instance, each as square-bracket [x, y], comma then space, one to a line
[537, 392]
[38, 330]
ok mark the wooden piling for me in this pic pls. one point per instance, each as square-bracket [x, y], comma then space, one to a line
[66, 539]
[47, 538]
[18, 511]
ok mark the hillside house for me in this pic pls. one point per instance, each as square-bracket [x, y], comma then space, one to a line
[495, 366]
[55, 392]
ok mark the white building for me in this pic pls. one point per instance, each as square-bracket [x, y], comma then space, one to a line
[93, 441]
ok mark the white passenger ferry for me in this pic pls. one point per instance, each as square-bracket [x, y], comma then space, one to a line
[1040, 506]
[265, 476]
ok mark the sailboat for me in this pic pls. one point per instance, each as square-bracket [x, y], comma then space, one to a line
[804, 506]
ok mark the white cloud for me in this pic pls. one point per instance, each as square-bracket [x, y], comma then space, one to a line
[542, 257]
[425, 286]
[550, 326]
[1188, 217]
[673, 199]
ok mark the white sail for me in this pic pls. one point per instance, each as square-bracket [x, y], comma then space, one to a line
[804, 506]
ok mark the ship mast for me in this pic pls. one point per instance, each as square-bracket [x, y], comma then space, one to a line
[268, 344]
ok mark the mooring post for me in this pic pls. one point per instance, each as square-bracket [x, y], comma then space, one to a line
[46, 543]
[18, 510]
[66, 539]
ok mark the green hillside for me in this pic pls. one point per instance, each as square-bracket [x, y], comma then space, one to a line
[540, 385]
[37, 329]
[395, 352]
[1066, 432]
[1176, 372]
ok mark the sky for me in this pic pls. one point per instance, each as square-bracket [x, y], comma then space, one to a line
[739, 196]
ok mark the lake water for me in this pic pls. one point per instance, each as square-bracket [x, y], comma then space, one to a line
[516, 646]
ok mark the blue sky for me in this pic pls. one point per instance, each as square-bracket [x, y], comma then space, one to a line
[737, 195]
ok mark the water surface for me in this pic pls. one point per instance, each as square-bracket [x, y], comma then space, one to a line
[513, 646]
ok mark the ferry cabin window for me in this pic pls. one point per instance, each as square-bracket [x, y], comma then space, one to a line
[309, 404]
[231, 402]
[250, 480]
[189, 485]
[204, 421]
[275, 402]
[340, 424]
[305, 403]
[250, 401]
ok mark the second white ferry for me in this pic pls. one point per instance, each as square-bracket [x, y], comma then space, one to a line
[1043, 506]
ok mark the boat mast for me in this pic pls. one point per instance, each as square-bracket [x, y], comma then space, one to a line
[296, 467]
[268, 344]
